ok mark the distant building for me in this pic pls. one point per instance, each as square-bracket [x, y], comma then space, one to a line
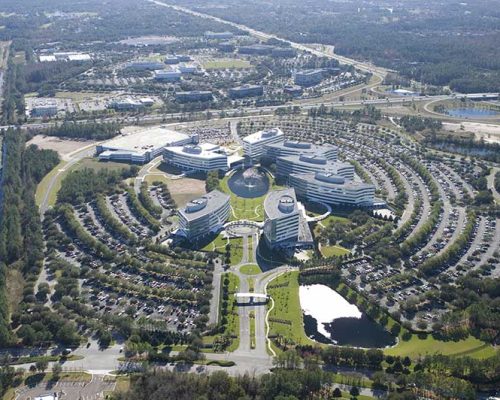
[171, 60]
[256, 49]
[284, 225]
[218, 35]
[226, 47]
[203, 157]
[188, 68]
[168, 75]
[308, 77]
[204, 215]
[285, 52]
[44, 108]
[253, 145]
[296, 148]
[141, 147]
[68, 56]
[145, 65]
[193, 95]
[311, 163]
[293, 90]
[246, 91]
[332, 189]
[126, 104]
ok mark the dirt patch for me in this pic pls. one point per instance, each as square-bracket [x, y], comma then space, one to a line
[488, 132]
[15, 286]
[63, 146]
[186, 189]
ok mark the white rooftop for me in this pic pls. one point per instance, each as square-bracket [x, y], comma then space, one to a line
[202, 150]
[145, 140]
[262, 136]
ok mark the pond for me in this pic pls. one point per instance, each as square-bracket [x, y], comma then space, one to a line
[331, 319]
[249, 183]
[471, 112]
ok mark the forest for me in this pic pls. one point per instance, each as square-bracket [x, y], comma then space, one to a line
[21, 240]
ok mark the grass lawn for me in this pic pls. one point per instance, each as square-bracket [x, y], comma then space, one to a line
[218, 245]
[233, 319]
[415, 347]
[226, 63]
[236, 250]
[252, 330]
[250, 269]
[287, 308]
[78, 96]
[333, 251]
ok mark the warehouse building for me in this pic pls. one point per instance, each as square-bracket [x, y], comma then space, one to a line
[141, 147]
[203, 216]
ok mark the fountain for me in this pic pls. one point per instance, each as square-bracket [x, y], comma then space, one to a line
[249, 183]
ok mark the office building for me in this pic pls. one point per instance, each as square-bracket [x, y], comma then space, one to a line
[219, 35]
[256, 49]
[311, 163]
[332, 189]
[193, 95]
[283, 52]
[44, 108]
[145, 65]
[296, 148]
[203, 157]
[293, 90]
[204, 215]
[253, 145]
[226, 47]
[239, 92]
[168, 75]
[284, 225]
[308, 77]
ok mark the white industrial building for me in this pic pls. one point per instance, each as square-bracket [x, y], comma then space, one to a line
[168, 75]
[44, 107]
[332, 189]
[145, 65]
[202, 157]
[141, 147]
[253, 145]
[204, 215]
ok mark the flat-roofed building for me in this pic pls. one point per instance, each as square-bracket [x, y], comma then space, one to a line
[125, 104]
[284, 225]
[44, 108]
[332, 189]
[141, 147]
[293, 90]
[145, 65]
[193, 95]
[253, 145]
[168, 75]
[296, 148]
[311, 163]
[203, 157]
[204, 215]
[257, 49]
[219, 35]
[246, 91]
[284, 52]
[309, 77]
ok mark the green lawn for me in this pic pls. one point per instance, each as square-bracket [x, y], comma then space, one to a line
[226, 63]
[287, 309]
[233, 319]
[252, 330]
[217, 245]
[334, 251]
[250, 269]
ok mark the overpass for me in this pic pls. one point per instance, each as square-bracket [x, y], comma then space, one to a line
[251, 297]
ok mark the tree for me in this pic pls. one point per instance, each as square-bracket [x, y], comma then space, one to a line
[354, 392]
[56, 371]
[337, 392]
[41, 365]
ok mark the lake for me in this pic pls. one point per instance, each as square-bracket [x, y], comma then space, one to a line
[331, 319]
[471, 112]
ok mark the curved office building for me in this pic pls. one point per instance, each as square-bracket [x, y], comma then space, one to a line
[203, 157]
[332, 189]
[296, 148]
[253, 145]
[204, 215]
[305, 164]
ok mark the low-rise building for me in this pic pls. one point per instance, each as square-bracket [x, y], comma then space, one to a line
[311, 163]
[188, 68]
[253, 145]
[168, 75]
[293, 90]
[284, 225]
[239, 92]
[285, 52]
[296, 148]
[219, 35]
[332, 189]
[203, 157]
[193, 95]
[256, 49]
[204, 215]
[126, 104]
[309, 77]
[44, 108]
[145, 65]
[226, 47]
